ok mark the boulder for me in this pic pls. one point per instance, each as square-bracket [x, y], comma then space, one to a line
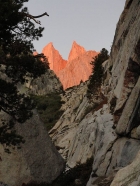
[37, 160]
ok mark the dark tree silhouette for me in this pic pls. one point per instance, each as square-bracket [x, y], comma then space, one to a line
[17, 62]
[97, 72]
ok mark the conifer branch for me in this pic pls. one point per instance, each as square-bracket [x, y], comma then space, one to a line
[34, 17]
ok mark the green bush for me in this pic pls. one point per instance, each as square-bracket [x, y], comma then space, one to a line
[48, 107]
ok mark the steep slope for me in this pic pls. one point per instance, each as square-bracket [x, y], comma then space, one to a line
[73, 71]
[107, 127]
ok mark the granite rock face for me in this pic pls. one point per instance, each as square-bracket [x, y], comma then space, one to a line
[45, 84]
[65, 129]
[76, 69]
[107, 127]
[125, 61]
[37, 160]
[129, 175]
[121, 87]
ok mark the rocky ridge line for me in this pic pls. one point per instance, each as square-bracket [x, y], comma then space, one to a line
[76, 69]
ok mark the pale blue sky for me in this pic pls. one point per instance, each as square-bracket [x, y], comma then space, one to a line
[91, 23]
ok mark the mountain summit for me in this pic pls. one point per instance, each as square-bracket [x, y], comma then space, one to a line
[56, 61]
[76, 69]
[76, 51]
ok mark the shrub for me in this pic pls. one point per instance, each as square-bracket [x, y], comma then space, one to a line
[48, 107]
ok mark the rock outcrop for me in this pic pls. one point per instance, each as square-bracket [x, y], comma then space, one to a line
[129, 175]
[107, 127]
[45, 84]
[37, 160]
[64, 132]
[73, 71]
[125, 61]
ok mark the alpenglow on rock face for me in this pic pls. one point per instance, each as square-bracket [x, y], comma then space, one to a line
[73, 71]
[76, 51]
[56, 62]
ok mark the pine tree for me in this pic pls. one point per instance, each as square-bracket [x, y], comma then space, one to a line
[97, 72]
[17, 31]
